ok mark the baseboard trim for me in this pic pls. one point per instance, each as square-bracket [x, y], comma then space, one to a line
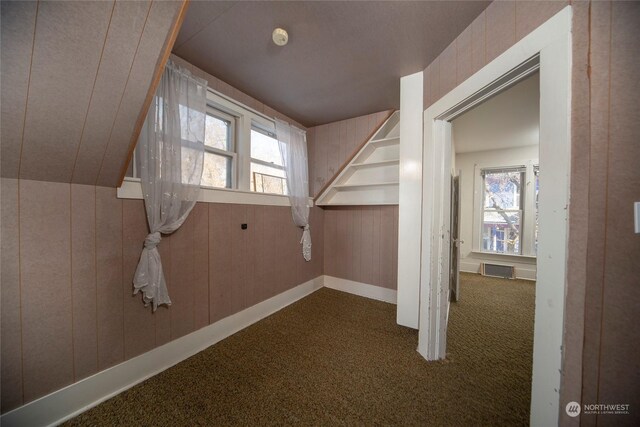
[361, 289]
[76, 398]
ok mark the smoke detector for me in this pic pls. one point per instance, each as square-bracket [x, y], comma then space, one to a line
[280, 37]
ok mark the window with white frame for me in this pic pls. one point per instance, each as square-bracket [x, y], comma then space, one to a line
[502, 210]
[267, 170]
[241, 149]
[506, 209]
[219, 150]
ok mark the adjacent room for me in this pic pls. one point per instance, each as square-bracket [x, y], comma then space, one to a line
[319, 213]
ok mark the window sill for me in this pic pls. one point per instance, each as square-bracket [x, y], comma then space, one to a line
[504, 256]
[131, 189]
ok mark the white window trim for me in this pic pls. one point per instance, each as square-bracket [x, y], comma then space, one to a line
[528, 212]
[231, 153]
[246, 117]
[132, 189]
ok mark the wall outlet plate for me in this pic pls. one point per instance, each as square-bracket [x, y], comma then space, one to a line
[636, 216]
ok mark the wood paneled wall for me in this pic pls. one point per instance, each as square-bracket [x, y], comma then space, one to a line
[71, 94]
[361, 244]
[606, 182]
[69, 253]
[600, 345]
[499, 27]
[331, 145]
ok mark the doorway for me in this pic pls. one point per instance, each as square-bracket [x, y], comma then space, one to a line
[548, 48]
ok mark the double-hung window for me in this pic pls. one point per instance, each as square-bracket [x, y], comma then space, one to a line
[267, 170]
[219, 150]
[502, 210]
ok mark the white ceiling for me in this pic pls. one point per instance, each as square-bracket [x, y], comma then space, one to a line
[509, 119]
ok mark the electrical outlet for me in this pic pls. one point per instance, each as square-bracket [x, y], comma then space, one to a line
[636, 216]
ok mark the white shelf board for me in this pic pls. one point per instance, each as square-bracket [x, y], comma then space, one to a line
[375, 164]
[371, 184]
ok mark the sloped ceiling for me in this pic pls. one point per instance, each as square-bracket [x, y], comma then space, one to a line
[344, 58]
[75, 79]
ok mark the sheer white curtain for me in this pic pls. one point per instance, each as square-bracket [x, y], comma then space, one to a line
[293, 147]
[169, 158]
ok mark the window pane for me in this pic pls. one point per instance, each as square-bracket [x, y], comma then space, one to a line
[217, 133]
[217, 171]
[502, 190]
[501, 232]
[265, 148]
[267, 179]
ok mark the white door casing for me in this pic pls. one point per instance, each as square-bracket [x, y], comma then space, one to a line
[549, 47]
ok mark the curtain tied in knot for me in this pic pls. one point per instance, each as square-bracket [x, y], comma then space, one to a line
[305, 241]
[152, 240]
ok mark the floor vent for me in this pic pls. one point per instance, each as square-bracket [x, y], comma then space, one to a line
[498, 270]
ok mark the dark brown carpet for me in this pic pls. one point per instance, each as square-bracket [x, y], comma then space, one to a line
[338, 359]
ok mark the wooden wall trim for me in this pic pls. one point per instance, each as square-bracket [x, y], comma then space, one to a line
[162, 61]
[351, 157]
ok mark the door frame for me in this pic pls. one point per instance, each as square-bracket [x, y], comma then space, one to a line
[547, 48]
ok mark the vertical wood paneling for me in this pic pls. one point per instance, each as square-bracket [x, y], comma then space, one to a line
[578, 221]
[182, 278]
[109, 278]
[501, 28]
[139, 322]
[387, 278]
[220, 258]
[238, 255]
[375, 247]
[159, 21]
[355, 231]
[124, 32]
[163, 314]
[45, 263]
[11, 328]
[333, 149]
[619, 362]
[56, 86]
[332, 145]
[311, 158]
[448, 68]
[271, 251]
[321, 158]
[464, 56]
[600, 41]
[251, 241]
[330, 242]
[426, 87]
[531, 14]
[83, 279]
[260, 248]
[436, 93]
[479, 42]
[18, 21]
[200, 215]
[366, 246]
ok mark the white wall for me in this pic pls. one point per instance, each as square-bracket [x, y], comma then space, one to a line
[502, 131]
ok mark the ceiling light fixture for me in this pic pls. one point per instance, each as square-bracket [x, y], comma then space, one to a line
[280, 37]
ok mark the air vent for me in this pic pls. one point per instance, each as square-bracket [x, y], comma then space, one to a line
[498, 270]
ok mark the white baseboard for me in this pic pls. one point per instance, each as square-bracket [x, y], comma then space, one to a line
[76, 398]
[361, 289]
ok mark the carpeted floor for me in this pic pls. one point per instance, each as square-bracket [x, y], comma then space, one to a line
[338, 359]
